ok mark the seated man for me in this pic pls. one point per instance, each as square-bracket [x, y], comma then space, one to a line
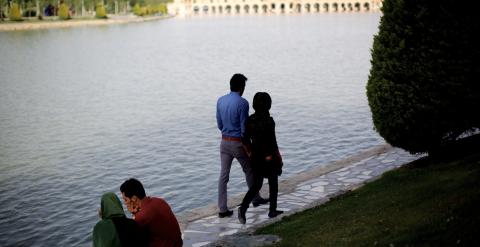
[153, 214]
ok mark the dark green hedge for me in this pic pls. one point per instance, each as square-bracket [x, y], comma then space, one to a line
[423, 88]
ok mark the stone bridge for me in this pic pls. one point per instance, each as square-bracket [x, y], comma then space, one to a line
[239, 7]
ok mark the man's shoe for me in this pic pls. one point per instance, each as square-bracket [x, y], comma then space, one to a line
[260, 201]
[241, 215]
[228, 213]
[275, 213]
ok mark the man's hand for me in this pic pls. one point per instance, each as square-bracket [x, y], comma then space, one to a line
[248, 151]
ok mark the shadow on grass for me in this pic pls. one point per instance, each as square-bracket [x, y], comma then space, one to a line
[434, 201]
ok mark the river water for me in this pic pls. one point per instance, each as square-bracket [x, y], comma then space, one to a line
[83, 109]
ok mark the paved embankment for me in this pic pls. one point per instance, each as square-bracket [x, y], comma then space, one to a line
[48, 24]
[202, 227]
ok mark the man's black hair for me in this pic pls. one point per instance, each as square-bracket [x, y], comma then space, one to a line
[132, 187]
[237, 83]
[262, 102]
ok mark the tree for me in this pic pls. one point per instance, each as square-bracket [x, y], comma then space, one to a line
[38, 11]
[423, 87]
[1, 10]
[100, 11]
[162, 8]
[137, 10]
[63, 12]
[15, 13]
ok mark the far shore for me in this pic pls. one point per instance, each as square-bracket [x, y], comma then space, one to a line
[7, 26]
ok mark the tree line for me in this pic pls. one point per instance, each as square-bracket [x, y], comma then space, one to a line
[19, 9]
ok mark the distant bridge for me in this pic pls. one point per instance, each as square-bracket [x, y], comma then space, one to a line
[233, 7]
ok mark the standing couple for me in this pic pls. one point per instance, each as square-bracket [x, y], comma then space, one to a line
[251, 140]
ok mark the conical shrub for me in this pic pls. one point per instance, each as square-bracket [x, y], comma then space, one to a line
[63, 12]
[100, 11]
[423, 87]
[15, 14]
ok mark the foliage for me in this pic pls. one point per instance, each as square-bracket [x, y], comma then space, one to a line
[63, 12]
[15, 13]
[423, 87]
[427, 203]
[137, 10]
[100, 11]
[160, 8]
[2, 13]
[29, 7]
[29, 13]
[148, 2]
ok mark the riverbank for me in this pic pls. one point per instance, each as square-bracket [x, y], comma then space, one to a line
[8, 26]
[297, 193]
[285, 185]
[429, 202]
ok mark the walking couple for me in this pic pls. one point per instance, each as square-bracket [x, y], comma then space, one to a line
[251, 140]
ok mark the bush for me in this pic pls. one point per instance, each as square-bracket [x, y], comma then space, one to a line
[137, 10]
[162, 8]
[15, 13]
[63, 12]
[100, 11]
[423, 87]
[149, 9]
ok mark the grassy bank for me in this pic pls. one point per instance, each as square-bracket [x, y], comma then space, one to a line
[430, 202]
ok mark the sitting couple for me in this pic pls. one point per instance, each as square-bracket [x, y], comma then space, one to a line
[153, 223]
[251, 140]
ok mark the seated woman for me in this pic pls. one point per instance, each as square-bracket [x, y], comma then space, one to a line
[114, 229]
[261, 143]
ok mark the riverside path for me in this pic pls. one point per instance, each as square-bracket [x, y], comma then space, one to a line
[296, 194]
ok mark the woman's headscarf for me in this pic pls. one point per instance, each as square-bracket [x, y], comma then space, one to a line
[111, 206]
[104, 232]
[262, 102]
[115, 229]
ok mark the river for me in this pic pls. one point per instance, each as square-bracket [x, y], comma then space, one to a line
[83, 109]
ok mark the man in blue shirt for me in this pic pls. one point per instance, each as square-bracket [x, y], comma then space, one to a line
[232, 113]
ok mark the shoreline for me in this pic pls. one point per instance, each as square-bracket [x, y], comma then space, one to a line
[298, 193]
[53, 24]
[287, 185]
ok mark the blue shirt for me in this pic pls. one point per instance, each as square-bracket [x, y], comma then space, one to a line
[232, 113]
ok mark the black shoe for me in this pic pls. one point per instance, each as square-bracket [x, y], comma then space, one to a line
[241, 215]
[274, 213]
[260, 201]
[228, 213]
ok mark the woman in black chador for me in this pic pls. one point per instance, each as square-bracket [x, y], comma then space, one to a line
[261, 145]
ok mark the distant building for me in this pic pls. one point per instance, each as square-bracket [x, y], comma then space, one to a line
[244, 7]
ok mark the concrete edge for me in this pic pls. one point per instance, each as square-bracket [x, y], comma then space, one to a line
[24, 26]
[286, 186]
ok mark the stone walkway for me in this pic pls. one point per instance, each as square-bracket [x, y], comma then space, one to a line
[304, 195]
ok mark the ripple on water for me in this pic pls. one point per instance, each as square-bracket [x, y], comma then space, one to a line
[71, 134]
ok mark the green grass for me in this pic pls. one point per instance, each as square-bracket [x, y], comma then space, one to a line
[430, 202]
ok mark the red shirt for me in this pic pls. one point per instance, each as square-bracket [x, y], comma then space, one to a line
[158, 220]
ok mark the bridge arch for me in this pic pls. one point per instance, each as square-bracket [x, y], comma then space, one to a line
[194, 7]
[246, 9]
[282, 7]
[366, 6]
[265, 8]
